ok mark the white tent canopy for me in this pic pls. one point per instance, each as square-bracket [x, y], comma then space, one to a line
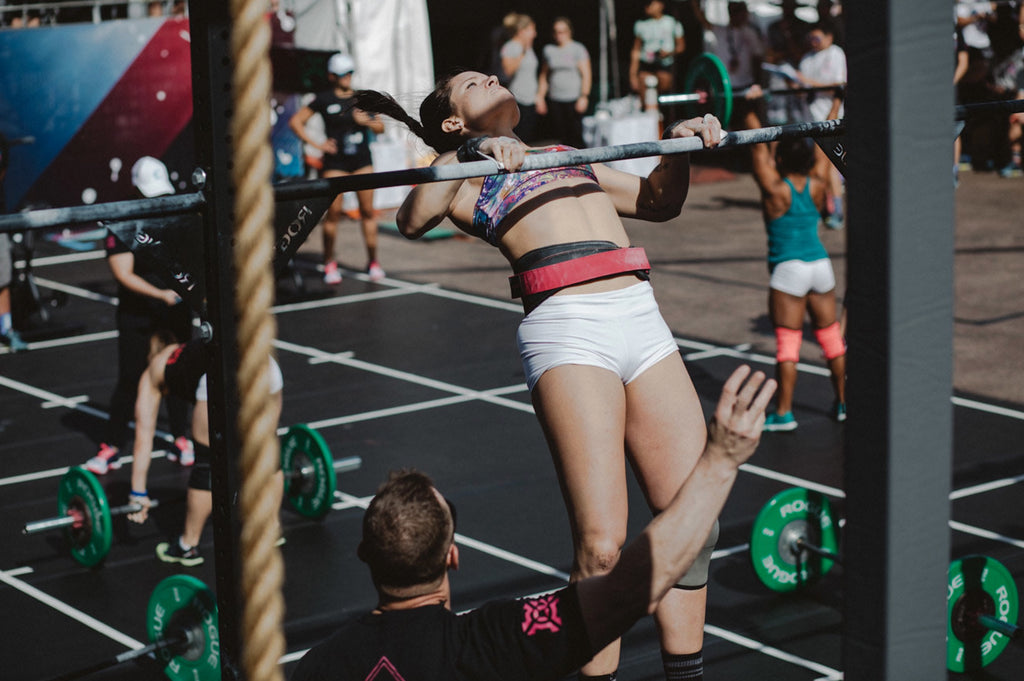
[389, 40]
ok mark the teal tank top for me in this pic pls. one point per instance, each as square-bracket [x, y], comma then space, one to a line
[794, 235]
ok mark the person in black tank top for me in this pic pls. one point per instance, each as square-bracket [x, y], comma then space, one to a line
[346, 151]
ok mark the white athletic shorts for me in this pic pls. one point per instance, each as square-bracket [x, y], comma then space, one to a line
[798, 278]
[276, 382]
[620, 330]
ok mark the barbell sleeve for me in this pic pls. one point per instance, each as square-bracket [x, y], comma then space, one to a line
[181, 640]
[742, 94]
[345, 465]
[114, 210]
[39, 526]
[801, 544]
[1007, 629]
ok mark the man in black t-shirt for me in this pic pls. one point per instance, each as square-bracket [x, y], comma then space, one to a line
[409, 546]
[146, 307]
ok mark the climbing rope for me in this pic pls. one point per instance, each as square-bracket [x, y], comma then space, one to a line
[262, 566]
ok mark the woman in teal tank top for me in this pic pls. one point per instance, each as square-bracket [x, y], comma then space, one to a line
[793, 184]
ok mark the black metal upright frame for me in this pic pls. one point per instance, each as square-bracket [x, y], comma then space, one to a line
[210, 27]
[900, 300]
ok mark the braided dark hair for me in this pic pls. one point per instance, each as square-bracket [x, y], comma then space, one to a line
[433, 111]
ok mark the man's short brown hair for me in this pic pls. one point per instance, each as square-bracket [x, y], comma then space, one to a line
[406, 532]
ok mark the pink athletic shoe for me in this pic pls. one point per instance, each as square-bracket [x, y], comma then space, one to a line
[107, 459]
[182, 451]
[332, 275]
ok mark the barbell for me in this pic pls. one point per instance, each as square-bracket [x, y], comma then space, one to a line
[708, 89]
[793, 543]
[298, 215]
[310, 471]
[84, 512]
[181, 624]
[85, 515]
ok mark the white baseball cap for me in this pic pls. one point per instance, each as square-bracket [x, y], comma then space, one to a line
[150, 176]
[340, 64]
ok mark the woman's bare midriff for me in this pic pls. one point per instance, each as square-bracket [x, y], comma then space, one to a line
[590, 217]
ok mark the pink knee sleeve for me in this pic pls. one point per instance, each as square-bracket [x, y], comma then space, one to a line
[831, 341]
[787, 344]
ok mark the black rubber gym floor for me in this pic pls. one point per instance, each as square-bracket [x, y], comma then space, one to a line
[403, 374]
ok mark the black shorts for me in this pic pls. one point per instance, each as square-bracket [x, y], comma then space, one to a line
[654, 67]
[184, 368]
[348, 164]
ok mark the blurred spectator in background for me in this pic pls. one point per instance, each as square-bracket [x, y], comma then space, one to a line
[346, 151]
[740, 47]
[825, 65]
[658, 40]
[282, 25]
[31, 18]
[959, 71]
[832, 10]
[982, 138]
[564, 85]
[787, 37]
[7, 332]
[785, 46]
[145, 309]
[1007, 35]
[519, 66]
[973, 18]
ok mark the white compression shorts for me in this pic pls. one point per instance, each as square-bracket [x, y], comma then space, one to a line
[276, 382]
[621, 331]
[798, 278]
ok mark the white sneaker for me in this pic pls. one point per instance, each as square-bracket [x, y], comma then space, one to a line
[332, 275]
[375, 271]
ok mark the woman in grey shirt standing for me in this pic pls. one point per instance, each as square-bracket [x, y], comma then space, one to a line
[564, 86]
[519, 63]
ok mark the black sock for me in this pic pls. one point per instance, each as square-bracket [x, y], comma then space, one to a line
[600, 677]
[689, 667]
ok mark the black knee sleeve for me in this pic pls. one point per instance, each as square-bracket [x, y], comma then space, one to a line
[697, 576]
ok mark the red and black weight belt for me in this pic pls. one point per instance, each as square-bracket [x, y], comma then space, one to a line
[579, 270]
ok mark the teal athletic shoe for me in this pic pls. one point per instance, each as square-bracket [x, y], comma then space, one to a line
[779, 422]
[839, 411]
[14, 341]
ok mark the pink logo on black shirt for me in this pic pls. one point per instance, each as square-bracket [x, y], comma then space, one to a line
[541, 614]
[384, 670]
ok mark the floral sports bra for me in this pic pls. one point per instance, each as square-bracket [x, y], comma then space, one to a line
[501, 193]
